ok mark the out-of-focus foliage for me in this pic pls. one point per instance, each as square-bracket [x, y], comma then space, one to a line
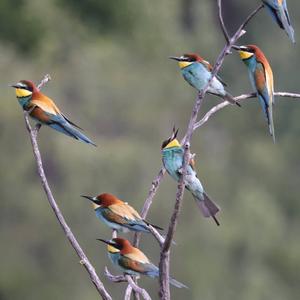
[19, 26]
[118, 84]
[104, 16]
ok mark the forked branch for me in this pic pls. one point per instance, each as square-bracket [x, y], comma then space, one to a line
[70, 236]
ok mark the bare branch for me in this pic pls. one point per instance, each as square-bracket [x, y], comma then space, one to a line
[70, 236]
[221, 20]
[114, 278]
[164, 267]
[240, 98]
[137, 289]
[45, 80]
[245, 23]
[131, 283]
[148, 202]
[128, 292]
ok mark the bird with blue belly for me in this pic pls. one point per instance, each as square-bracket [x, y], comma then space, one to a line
[172, 157]
[261, 78]
[197, 72]
[119, 215]
[43, 110]
[132, 260]
[279, 12]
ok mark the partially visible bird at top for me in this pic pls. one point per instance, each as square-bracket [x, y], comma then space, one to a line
[132, 260]
[119, 215]
[279, 12]
[197, 72]
[261, 78]
[172, 157]
[42, 109]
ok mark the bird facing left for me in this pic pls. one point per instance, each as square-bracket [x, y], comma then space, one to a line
[43, 110]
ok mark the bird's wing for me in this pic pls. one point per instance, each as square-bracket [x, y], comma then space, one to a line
[209, 67]
[273, 7]
[72, 123]
[112, 217]
[125, 211]
[137, 256]
[286, 12]
[264, 81]
[45, 104]
[48, 106]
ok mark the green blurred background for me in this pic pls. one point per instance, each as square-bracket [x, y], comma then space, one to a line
[111, 75]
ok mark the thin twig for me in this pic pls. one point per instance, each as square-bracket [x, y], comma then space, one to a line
[128, 292]
[240, 98]
[137, 289]
[245, 23]
[127, 278]
[148, 202]
[83, 258]
[221, 20]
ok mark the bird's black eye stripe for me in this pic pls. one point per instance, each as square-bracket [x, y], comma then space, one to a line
[28, 88]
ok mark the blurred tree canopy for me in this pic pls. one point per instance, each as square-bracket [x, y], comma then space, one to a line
[20, 26]
[104, 17]
[111, 75]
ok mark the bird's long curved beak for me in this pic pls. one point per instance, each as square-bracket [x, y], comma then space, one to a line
[105, 241]
[175, 58]
[88, 197]
[235, 47]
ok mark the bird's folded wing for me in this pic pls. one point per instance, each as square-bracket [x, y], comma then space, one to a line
[137, 255]
[126, 211]
[46, 104]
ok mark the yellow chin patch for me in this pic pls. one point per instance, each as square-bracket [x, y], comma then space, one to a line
[95, 206]
[172, 144]
[245, 54]
[112, 249]
[22, 93]
[183, 64]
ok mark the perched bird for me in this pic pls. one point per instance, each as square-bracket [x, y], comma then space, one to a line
[261, 77]
[133, 261]
[118, 215]
[279, 12]
[43, 109]
[172, 157]
[197, 72]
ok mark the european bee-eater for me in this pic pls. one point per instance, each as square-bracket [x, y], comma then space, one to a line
[43, 109]
[172, 157]
[197, 72]
[118, 215]
[132, 260]
[261, 77]
[279, 12]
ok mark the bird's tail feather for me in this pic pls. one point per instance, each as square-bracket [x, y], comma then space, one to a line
[271, 126]
[228, 97]
[286, 23]
[208, 208]
[177, 284]
[154, 226]
[71, 131]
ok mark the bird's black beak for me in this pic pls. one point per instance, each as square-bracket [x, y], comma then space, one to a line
[235, 47]
[175, 132]
[14, 86]
[108, 242]
[88, 197]
[104, 241]
[175, 58]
